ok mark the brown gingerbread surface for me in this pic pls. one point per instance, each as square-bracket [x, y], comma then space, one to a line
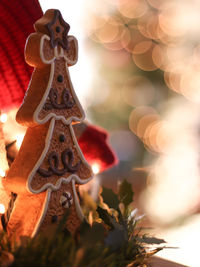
[57, 146]
[60, 95]
[55, 210]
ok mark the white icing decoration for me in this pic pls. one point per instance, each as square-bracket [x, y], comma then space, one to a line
[62, 179]
[44, 60]
[69, 61]
[66, 201]
[77, 205]
[46, 204]
[43, 100]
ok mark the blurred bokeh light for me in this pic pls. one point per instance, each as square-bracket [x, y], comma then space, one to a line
[147, 57]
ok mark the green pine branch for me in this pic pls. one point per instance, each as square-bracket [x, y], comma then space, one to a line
[110, 239]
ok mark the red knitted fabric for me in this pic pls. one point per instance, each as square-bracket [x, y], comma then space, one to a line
[16, 23]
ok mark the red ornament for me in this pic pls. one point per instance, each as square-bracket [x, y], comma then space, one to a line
[94, 145]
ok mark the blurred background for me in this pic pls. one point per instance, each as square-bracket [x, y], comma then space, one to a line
[138, 76]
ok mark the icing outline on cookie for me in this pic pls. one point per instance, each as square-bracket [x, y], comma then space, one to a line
[41, 159]
[57, 55]
[46, 204]
[66, 27]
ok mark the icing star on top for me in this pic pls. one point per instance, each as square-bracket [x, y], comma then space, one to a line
[58, 30]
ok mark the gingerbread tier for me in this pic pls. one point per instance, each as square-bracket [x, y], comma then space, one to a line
[48, 155]
[50, 93]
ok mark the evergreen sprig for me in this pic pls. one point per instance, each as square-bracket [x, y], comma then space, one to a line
[108, 238]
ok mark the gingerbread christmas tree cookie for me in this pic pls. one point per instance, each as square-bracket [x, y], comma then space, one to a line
[50, 165]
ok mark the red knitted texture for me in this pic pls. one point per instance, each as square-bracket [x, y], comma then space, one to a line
[16, 23]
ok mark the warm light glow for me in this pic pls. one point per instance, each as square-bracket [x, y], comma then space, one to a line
[158, 56]
[144, 122]
[137, 91]
[130, 38]
[144, 61]
[156, 3]
[115, 46]
[94, 23]
[178, 143]
[2, 173]
[173, 81]
[148, 25]
[132, 8]
[182, 237]
[190, 87]
[109, 32]
[19, 139]
[137, 114]
[174, 17]
[95, 168]
[126, 39]
[142, 47]
[2, 209]
[3, 117]
[150, 135]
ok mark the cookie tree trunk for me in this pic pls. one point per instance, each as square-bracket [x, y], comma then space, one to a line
[50, 164]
